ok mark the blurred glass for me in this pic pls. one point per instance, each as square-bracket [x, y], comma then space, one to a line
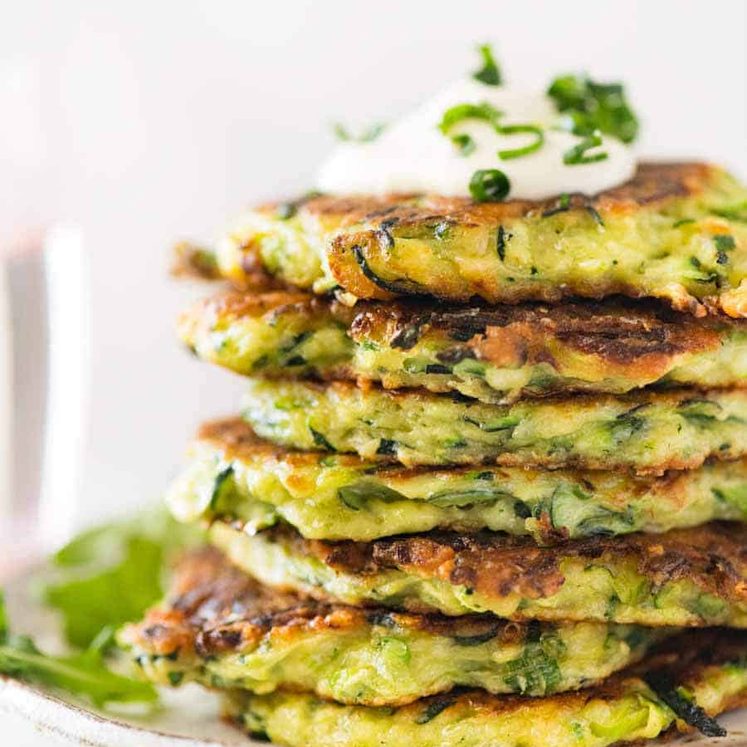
[43, 331]
[44, 344]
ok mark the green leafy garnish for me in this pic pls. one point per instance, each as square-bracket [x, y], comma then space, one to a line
[489, 185]
[577, 154]
[368, 135]
[594, 106]
[110, 575]
[84, 674]
[525, 150]
[490, 72]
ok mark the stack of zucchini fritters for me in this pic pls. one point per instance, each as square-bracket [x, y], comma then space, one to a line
[491, 464]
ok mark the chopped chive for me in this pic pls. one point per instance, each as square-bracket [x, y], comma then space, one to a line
[489, 73]
[501, 243]
[459, 112]
[577, 154]
[594, 213]
[464, 143]
[563, 204]
[525, 150]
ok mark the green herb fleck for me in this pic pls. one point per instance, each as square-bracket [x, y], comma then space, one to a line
[436, 706]
[368, 135]
[501, 243]
[490, 72]
[464, 144]
[724, 243]
[320, 440]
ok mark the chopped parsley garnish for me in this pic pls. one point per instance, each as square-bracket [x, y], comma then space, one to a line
[368, 135]
[489, 185]
[525, 150]
[490, 72]
[594, 106]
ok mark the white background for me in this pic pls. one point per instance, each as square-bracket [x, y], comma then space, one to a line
[146, 122]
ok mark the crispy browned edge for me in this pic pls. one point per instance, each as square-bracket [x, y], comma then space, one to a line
[634, 401]
[684, 659]
[366, 216]
[642, 339]
[714, 557]
[652, 183]
[215, 608]
[235, 440]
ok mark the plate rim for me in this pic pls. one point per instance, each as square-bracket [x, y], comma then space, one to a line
[51, 713]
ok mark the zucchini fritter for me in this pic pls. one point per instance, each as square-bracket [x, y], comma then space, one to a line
[693, 678]
[250, 483]
[648, 432]
[222, 628]
[675, 232]
[688, 577]
[494, 354]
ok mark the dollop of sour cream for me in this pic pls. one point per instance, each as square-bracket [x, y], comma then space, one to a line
[413, 155]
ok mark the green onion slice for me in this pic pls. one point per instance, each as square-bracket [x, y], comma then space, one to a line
[458, 113]
[525, 150]
[489, 185]
[577, 154]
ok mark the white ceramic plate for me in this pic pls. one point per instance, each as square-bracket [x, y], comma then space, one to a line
[189, 716]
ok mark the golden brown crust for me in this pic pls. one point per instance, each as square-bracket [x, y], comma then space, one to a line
[215, 608]
[684, 658]
[652, 183]
[235, 440]
[713, 557]
[642, 337]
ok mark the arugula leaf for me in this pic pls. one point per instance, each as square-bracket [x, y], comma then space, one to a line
[84, 674]
[4, 627]
[110, 597]
[111, 574]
